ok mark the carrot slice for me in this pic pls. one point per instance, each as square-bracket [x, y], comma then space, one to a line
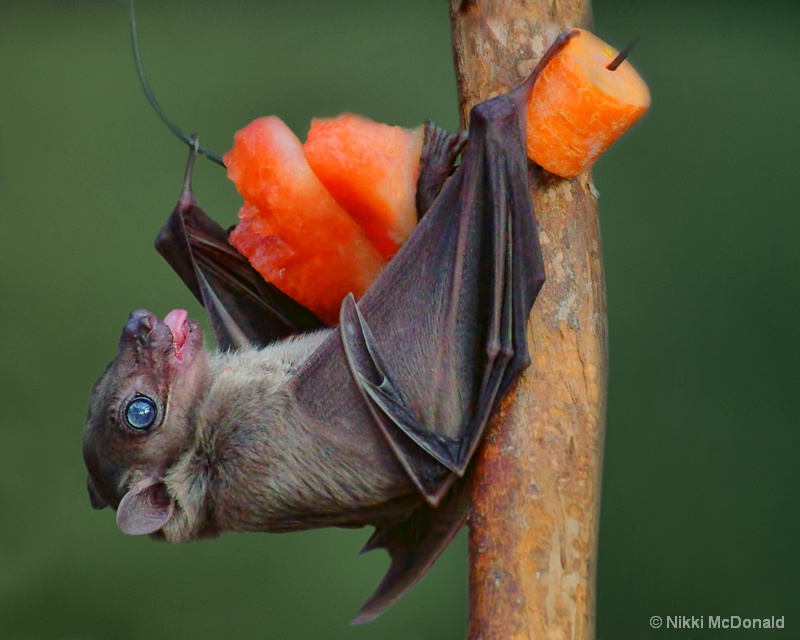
[292, 231]
[578, 107]
[371, 170]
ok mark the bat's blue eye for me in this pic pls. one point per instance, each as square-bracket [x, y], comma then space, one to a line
[141, 413]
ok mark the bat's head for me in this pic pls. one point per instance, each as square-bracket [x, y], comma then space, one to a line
[141, 417]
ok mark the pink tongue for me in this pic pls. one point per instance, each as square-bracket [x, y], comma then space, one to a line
[176, 321]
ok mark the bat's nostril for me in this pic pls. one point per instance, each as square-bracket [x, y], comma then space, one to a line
[140, 323]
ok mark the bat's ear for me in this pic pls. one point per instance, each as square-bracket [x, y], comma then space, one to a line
[145, 509]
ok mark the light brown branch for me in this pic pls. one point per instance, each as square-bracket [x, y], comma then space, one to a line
[536, 483]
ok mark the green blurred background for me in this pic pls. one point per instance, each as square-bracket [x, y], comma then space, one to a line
[699, 215]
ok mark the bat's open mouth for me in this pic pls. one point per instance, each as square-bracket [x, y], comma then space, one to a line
[176, 321]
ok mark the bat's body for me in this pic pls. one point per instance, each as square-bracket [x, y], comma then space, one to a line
[372, 422]
[239, 473]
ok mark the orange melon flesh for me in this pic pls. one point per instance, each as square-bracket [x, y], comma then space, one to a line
[292, 230]
[578, 107]
[371, 170]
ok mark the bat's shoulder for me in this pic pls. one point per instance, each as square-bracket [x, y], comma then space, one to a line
[495, 111]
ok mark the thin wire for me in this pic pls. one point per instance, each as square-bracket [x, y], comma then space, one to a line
[612, 66]
[137, 56]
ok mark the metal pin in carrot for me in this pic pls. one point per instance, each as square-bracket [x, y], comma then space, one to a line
[622, 55]
[586, 97]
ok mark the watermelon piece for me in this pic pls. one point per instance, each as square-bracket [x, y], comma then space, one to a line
[292, 230]
[371, 170]
[266, 248]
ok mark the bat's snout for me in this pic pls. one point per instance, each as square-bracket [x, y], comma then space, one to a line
[144, 333]
[140, 324]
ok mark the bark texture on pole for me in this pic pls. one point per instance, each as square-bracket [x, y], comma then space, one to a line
[536, 482]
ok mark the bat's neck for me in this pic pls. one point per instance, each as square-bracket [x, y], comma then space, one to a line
[259, 465]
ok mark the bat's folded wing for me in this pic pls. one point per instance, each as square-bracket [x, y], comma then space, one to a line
[436, 342]
[242, 307]
[414, 545]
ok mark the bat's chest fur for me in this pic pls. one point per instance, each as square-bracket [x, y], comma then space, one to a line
[259, 464]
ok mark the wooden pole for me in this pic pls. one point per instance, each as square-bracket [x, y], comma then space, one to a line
[536, 482]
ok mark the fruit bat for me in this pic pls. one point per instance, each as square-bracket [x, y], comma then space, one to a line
[289, 425]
